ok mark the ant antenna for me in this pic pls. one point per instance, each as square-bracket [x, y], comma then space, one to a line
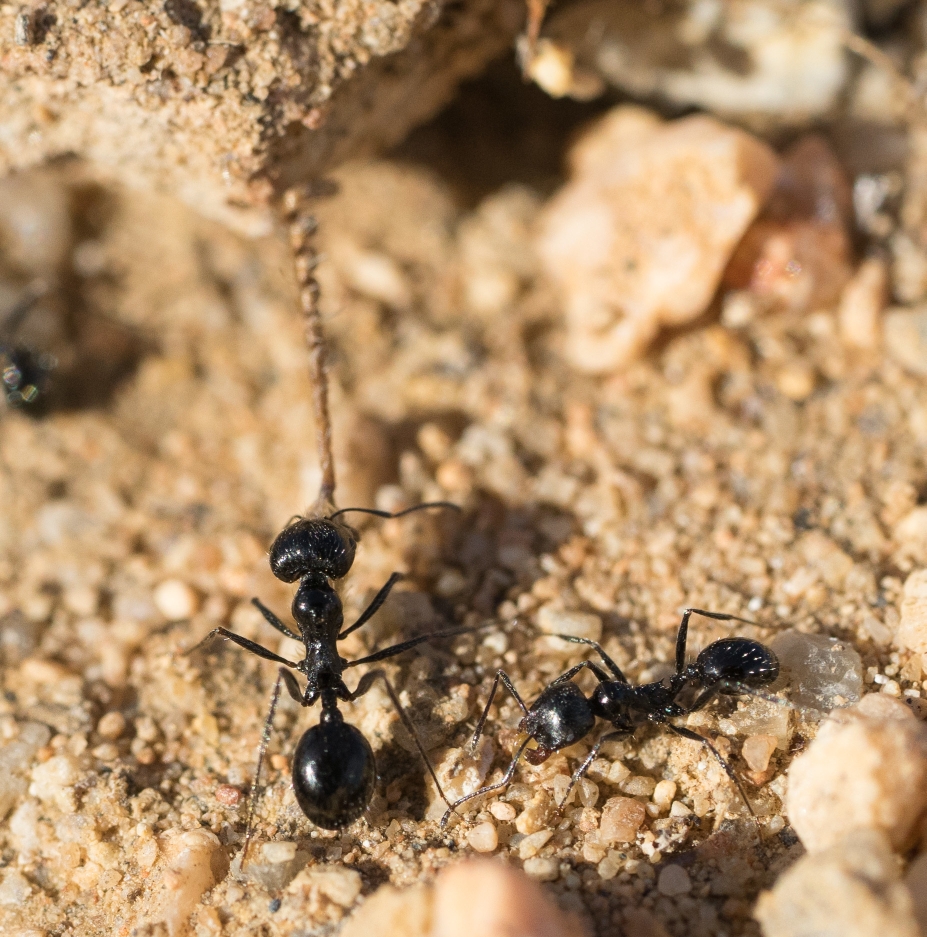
[417, 507]
[302, 229]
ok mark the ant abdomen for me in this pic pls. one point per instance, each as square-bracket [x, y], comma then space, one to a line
[334, 772]
[737, 660]
[313, 544]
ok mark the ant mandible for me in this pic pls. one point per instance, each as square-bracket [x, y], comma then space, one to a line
[563, 715]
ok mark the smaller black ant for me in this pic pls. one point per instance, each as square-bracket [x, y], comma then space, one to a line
[563, 715]
[24, 371]
[334, 769]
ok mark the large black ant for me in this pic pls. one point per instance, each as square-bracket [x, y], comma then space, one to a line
[563, 715]
[334, 769]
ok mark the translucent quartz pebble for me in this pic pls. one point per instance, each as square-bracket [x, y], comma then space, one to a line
[15, 761]
[823, 672]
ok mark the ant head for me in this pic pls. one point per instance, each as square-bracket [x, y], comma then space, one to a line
[313, 545]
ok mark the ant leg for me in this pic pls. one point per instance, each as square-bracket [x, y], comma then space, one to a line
[407, 645]
[728, 770]
[600, 674]
[746, 690]
[504, 677]
[584, 767]
[487, 790]
[284, 676]
[373, 607]
[684, 631]
[363, 685]
[612, 666]
[273, 621]
[252, 646]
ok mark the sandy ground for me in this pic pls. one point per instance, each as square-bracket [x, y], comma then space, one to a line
[757, 470]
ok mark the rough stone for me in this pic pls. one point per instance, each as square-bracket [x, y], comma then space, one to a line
[862, 303]
[852, 889]
[225, 103]
[866, 769]
[621, 819]
[771, 62]
[640, 236]
[906, 337]
[912, 626]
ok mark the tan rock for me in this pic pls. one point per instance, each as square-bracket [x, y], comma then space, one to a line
[193, 861]
[912, 626]
[767, 62]
[473, 897]
[640, 235]
[222, 103]
[906, 337]
[866, 769]
[852, 889]
[621, 819]
[910, 533]
[493, 900]
[861, 305]
[393, 912]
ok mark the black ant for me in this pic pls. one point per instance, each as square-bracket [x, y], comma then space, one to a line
[563, 715]
[24, 371]
[334, 770]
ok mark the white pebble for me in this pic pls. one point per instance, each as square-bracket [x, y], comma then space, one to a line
[674, 880]
[175, 600]
[574, 624]
[542, 869]
[502, 811]
[483, 837]
[664, 793]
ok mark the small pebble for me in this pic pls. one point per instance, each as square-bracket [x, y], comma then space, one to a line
[906, 337]
[861, 305]
[664, 793]
[111, 725]
[175, 600]
[484, 838]
[531, 845]
[228, 794]
[106, 752]
[757, 750]
[621, 819]
[502, 811]
[542, 869]
[911, 633]
[823, 672]
[674, 880]
[574, 624]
